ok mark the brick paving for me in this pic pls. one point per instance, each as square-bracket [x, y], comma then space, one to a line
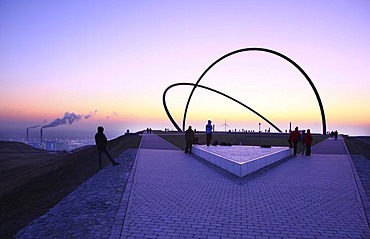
[175, 195]
[90, 210]
[169, 194]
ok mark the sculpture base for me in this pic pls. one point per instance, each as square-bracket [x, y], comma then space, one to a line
[241, 160]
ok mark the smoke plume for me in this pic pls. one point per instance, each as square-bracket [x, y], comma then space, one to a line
[90, 114]
[68, 119]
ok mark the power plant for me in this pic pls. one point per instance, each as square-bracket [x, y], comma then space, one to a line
[58, 144]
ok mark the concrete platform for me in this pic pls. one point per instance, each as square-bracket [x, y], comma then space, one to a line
[241, 160]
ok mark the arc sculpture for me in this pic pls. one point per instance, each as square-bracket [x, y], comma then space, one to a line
[218, 92]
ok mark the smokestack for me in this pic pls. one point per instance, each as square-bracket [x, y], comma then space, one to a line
[41, 137]
[27, 132]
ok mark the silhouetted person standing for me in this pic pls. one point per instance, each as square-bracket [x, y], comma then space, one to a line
[308, 141]
[295, 138]
[101, 143]
[336, 135]
[290, 139]
[189, 137]
[209, 132]
[303, 142]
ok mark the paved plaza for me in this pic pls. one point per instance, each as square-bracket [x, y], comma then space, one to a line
[171, 194]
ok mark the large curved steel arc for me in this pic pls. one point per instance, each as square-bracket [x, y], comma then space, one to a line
[213, 90]
[268, 51]
[166, 109]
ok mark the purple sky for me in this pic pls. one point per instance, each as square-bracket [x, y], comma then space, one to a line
[115, 58]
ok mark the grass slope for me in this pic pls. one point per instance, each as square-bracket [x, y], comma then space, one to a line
[33, 180]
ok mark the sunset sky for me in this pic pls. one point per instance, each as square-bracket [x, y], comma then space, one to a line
[112, 60]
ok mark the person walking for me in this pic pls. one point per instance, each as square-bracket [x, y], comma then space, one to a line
[303, 148]
[101, 143]
[295, 138]
[189, 137]
[209, 132]
[308, 141]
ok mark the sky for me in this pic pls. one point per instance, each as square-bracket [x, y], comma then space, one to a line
[109, 62]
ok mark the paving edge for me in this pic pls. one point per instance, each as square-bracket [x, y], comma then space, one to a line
[361, 190]
[117, 226]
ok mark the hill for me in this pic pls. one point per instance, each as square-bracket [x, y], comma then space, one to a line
[34, 180]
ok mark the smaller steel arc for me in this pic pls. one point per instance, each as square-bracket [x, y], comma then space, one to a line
[213, 90]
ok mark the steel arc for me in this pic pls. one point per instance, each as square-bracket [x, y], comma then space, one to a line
[213, 90]
[261, 50]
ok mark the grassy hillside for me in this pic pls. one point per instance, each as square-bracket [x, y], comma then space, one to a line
[33, 180]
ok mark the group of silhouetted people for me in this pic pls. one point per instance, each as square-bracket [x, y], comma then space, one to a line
[334, 134]
[305, 138]
[296, 137]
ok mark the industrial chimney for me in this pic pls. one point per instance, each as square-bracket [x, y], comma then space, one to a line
[41, 137]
